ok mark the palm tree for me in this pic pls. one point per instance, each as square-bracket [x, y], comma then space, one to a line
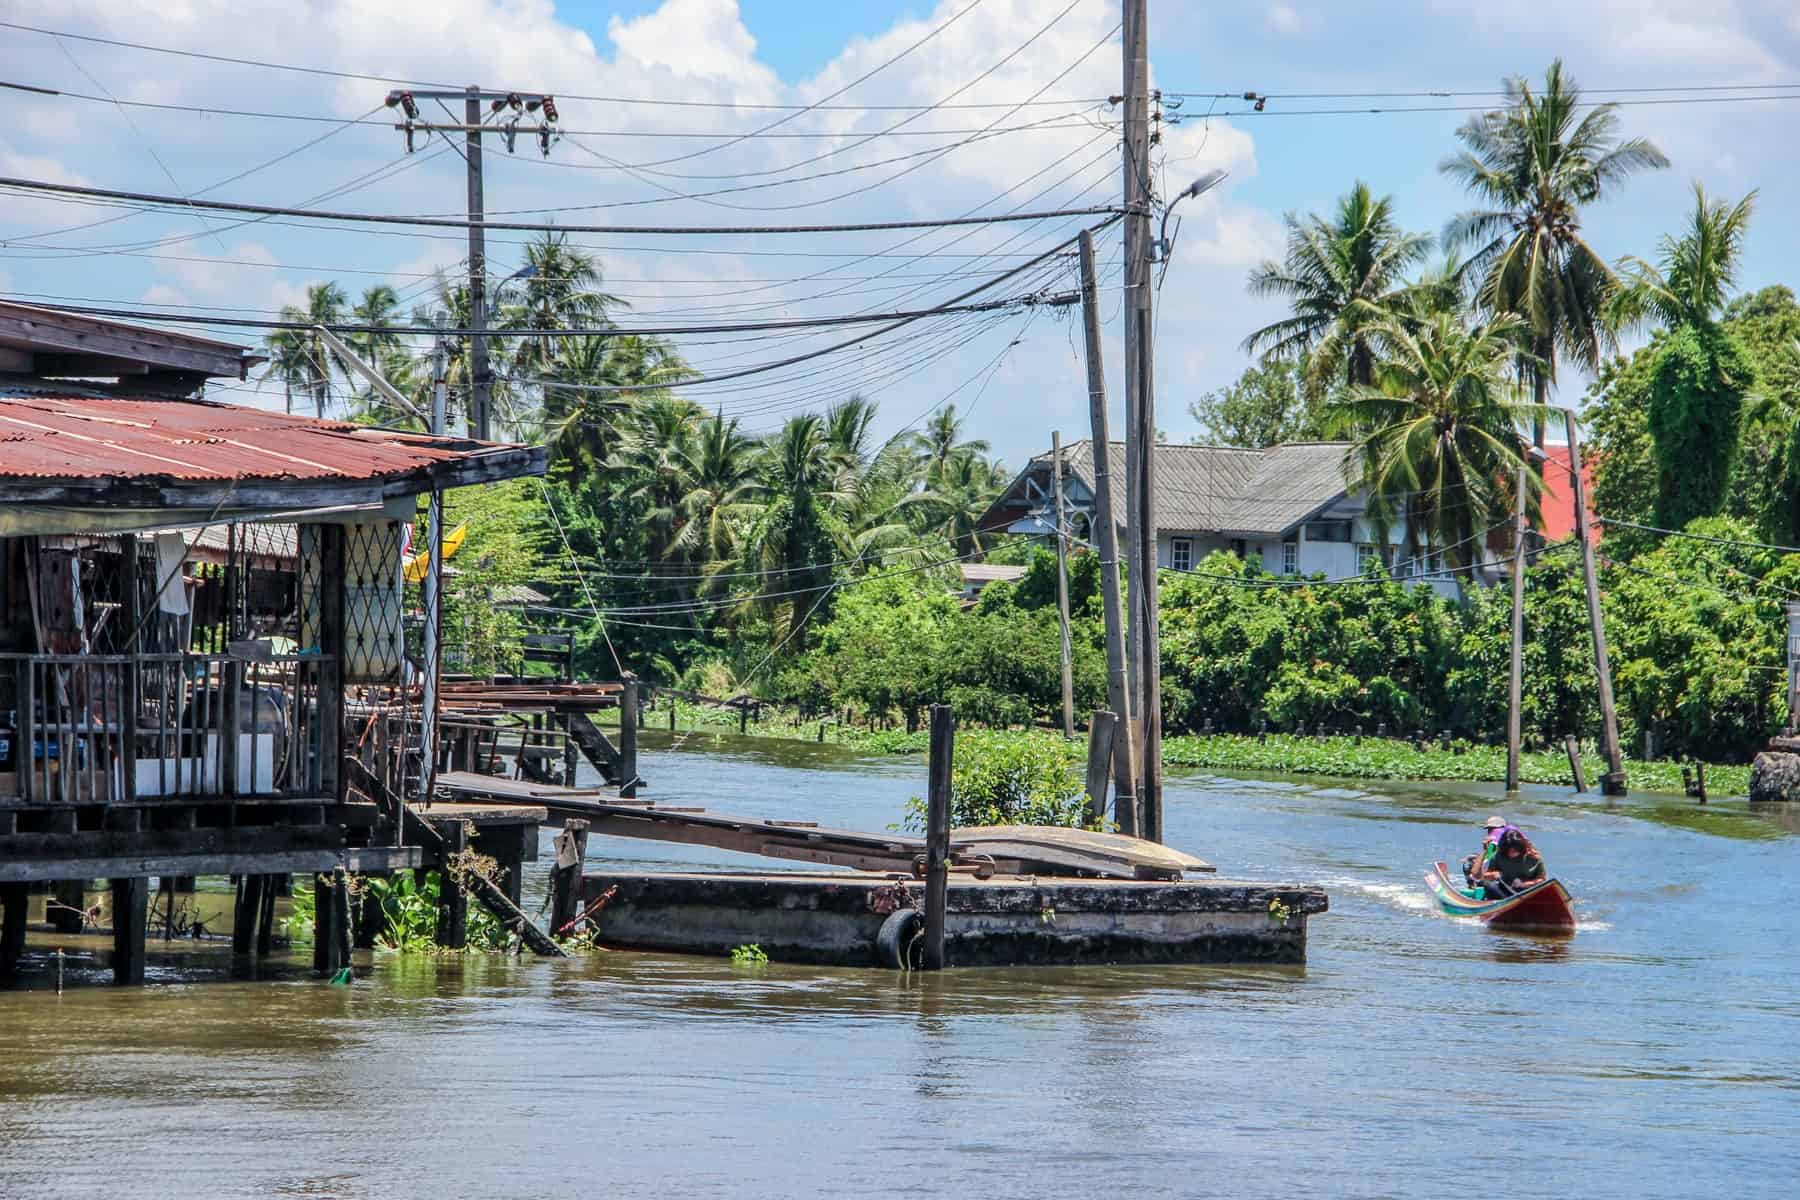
[942, 437]
[384, 349]
[561, 291]
[301, 356]
[959, 494]
[1700, 372]
[797, 533]
[1534, 164]
[594, 381]
[651, 462]
[718, 500]
[1437, 436]
[1341, 274]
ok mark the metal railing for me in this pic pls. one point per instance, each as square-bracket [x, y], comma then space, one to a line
[106, 728]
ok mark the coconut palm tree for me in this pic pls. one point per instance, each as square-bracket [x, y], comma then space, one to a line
[300, 356]
[958, 495]
[941, 438]
[1699, 372]
[1533, 164]
[797, 533]
[1437, 436]
[593, 382]
[720, 487]
[1341, 274]
[384, 349]
[561, 290]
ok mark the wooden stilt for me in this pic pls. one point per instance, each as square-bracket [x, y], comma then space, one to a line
[15, 897]
[565, 876]
[628, 739]
[453, 901]
[245, 913]
[369, 920]
[340, 917]
[325, 956]
[937, 833]
[130, 915]
[68, 905]
[273, 885]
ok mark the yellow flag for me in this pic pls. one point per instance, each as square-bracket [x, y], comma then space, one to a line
[419, 564]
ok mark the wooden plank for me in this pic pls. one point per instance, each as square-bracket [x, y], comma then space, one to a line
[565, 875]
[1102, 728]
[356, 859]
[43, 330]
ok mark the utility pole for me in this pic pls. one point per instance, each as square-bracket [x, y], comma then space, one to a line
[1613, 782]
[1516, 687]
[1118, 691]
[509, 108]
[432, 593]
[1140, 419]
[1793, 664]
[1062, 586]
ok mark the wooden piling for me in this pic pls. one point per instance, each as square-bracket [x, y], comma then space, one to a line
[565, 876]
[1573, 748]
[453, 901]
[1102, 729]
[370, 920]
[326, 957]
[68, 905]
[1516, 680]
[340, 917]
[937, 833]
[246, 913]
[273, 885]
[628, 739]
[743, 719]
[130, 917]
[1700, 781]
[15, 897]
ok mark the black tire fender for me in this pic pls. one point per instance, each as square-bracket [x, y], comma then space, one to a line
[896, 938]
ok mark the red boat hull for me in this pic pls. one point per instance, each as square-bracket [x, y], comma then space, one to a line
[1544, 908]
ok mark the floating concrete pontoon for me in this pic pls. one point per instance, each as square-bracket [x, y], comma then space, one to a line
[1002, 921]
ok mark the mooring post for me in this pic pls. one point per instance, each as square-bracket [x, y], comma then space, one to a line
[327, 957]
[937, 833]
[565, 876]
[273, 885]
[15, 897]
[1103, 728]
[1574, 750]
[1700, 781]
[453, 901]
[340, 917]
[628, 738]
[130, 916]
[743, 719]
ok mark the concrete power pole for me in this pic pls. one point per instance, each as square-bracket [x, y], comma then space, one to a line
[1118, 689]
[1613, 782]
[1140, 421]
[1062, 586]
[508, 109]
[1516, 685]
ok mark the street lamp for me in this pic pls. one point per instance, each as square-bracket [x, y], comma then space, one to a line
[1205, 183]
[525, 272]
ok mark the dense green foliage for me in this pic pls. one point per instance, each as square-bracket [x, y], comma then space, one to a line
[999, 778]
[1697, 382]
[1269, 404]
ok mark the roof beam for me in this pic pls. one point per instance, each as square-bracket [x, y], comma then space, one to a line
[39, 330]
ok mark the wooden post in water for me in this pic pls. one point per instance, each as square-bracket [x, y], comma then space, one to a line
[453, 901]
[937, 833]
[245, 913]
[1106, 541]
[1516, 685]
[565, 876]
[1573, 748]
[628, 738]
[340, 917]
[1613, 782]
[1102, 729]
[130, 917]
[1062, 586]
[14, 897]
[265, 917]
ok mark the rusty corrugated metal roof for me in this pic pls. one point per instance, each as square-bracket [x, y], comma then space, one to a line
[45, 434]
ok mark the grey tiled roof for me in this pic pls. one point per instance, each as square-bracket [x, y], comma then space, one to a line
[1225, 489]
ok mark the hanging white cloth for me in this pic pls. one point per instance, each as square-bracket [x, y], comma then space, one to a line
[171, 552]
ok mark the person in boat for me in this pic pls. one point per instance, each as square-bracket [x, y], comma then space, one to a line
[1475, 865]
[1515, 866]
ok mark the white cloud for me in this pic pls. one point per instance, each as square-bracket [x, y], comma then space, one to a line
[1285, 20]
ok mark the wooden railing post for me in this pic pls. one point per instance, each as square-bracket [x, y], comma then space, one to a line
[937, 833]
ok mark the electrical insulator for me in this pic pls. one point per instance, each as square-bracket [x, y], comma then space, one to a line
[550, 107]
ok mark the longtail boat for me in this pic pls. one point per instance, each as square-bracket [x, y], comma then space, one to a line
[1541, 908]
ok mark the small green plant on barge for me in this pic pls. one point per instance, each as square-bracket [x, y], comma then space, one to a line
[1001, 778]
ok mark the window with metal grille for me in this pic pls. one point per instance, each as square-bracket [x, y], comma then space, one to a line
[1181, 554]
[1290, 558]
[1328, 531]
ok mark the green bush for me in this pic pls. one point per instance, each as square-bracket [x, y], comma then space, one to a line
[1001, 778]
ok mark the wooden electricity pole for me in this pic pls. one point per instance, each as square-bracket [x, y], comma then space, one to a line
[1516, 686]
[1613, 782]
[1062, 586]
[1140, 419]
[1118, 692]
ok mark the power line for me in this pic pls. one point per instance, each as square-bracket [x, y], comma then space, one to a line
[272, 210]
[1444, 94]
[1696, 537]
[265, 64]
[1175, 118]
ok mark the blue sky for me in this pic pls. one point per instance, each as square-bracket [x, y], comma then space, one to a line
[769, 51]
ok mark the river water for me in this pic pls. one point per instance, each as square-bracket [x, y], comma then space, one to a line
[1657, 1053]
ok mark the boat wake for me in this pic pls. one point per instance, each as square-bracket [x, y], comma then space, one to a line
[1393, 895]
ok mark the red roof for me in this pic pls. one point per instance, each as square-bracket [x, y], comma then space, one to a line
[54, 433]
[1559, 501]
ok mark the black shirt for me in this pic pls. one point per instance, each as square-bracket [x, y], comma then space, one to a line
[1512, 870]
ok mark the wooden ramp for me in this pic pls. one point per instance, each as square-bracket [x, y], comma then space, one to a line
[1016, 849]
